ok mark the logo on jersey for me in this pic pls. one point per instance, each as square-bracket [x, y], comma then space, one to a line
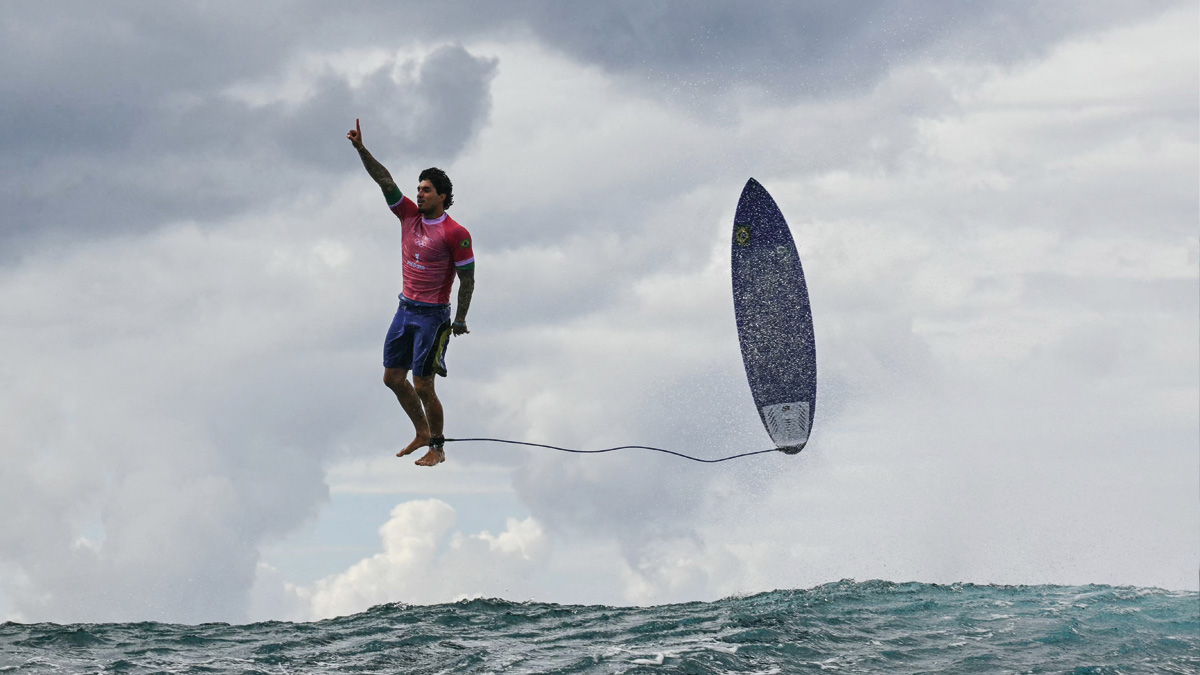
[465, 243]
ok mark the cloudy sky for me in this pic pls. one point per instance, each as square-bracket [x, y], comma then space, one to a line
[996, 204]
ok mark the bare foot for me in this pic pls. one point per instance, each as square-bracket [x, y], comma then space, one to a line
[420, 441]
[434, 457]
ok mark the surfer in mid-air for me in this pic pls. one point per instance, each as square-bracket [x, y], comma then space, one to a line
[434, 249]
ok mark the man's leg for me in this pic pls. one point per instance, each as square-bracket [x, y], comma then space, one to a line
[396, 379]
[433, 415]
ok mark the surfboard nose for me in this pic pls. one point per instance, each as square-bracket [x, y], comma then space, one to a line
[752, 186]
[757, 206]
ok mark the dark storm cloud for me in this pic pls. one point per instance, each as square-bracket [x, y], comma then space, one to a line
[117, 120]
[430, 119]
[694, 51]
[81, 79]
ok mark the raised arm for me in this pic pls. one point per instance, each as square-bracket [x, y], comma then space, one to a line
[374, 168]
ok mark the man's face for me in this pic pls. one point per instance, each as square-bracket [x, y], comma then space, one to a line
[429, 202]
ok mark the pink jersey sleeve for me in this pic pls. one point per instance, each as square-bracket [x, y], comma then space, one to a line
[405, 208]
[459, 241]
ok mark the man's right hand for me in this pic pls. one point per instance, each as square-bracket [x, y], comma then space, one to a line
[373, 167]
[355, 135]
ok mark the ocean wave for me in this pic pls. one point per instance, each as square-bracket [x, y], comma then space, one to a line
[843, 627]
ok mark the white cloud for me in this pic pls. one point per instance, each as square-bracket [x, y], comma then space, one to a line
[423, 562]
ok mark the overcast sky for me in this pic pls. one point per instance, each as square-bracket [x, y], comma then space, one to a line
[996, 205]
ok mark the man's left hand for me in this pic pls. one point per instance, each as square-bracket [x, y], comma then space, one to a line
[459, 327]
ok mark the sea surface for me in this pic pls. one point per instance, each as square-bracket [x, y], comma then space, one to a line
[844, 627]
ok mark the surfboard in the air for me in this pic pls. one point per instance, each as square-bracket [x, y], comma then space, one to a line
[774, 319]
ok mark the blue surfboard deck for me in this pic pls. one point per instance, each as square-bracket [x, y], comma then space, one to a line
[774, 319]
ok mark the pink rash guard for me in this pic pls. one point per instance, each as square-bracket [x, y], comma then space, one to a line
[432, 251]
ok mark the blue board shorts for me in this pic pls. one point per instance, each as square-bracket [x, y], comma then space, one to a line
[418, 338]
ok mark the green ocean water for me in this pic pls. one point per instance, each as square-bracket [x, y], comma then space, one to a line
[844, 627]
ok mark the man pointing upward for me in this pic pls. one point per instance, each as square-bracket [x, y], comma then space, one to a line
[434, 249]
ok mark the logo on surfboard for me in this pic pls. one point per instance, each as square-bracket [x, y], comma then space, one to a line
[741, 235]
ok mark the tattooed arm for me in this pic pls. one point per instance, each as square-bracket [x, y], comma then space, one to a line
[374, 168]
[466, 288]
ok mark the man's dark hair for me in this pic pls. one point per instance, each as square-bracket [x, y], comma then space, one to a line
[441, 184]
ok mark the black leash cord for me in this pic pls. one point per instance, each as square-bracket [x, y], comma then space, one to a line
[622, 447]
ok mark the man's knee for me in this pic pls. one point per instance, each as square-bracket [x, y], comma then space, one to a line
[424, 386]
[394, 377]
